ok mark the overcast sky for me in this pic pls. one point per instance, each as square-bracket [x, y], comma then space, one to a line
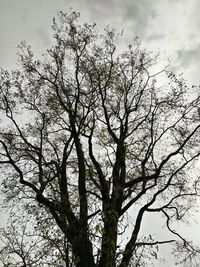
[169, 26]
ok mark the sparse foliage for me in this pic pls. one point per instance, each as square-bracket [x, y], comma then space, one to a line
[88, 133]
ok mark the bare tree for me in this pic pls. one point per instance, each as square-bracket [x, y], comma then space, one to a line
[90, 132]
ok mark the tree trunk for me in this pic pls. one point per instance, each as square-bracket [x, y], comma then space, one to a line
[85, 257]
[109, 239]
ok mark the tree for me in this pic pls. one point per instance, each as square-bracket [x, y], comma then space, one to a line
[89, 133]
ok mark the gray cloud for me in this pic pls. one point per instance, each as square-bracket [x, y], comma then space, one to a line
[155, 37]
[140, 13]
[189, 57]
[44, 37]
[132, 15]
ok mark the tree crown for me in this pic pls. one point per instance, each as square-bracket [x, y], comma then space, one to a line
[88, 133]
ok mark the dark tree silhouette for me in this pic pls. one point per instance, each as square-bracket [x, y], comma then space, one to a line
[89, 132]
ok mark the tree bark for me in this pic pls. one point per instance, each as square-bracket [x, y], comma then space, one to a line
[109, 239]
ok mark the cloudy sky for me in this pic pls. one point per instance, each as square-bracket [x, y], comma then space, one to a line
[169, 26]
